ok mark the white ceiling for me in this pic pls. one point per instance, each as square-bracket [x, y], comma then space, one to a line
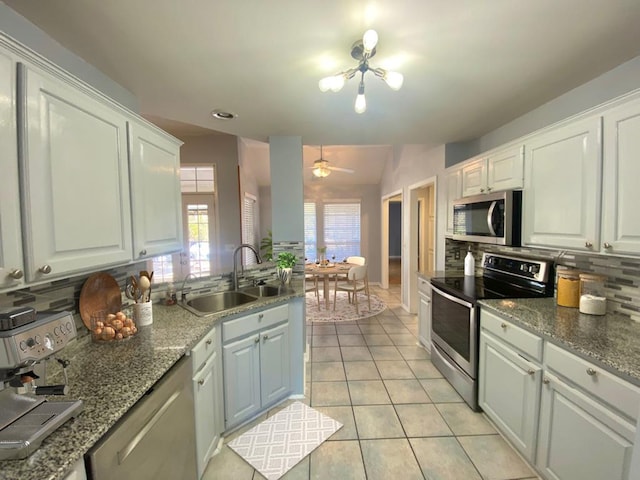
[470, 66]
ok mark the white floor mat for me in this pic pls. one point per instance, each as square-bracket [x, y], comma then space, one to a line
[277, 444]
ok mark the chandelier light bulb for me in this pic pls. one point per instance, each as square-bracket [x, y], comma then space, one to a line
[337, 82]
[361, 102]
[325, 84]
[369, 40]
[394, 80]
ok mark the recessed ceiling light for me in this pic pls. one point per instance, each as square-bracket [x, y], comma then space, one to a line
[222, 115]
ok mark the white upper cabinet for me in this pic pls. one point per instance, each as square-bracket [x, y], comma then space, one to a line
[499, 170]
[155, 191]
[621, 171]
[11, 267]
[453, 184]
[561, 199]
[75, 185]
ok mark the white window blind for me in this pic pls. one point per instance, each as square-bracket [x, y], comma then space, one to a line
[249, 228]
[310, 242]
[342, 230]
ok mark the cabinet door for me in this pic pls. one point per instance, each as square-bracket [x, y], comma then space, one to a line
[505, 169]
[11, 268]
[241, 361]
[424, 318]
[561, 199]
[579, 438]
[453, 182]
[474, 178]
[275, 364]
[509, 393]
[206, 399]
[76, 208]
[155, 191]
[621, 171]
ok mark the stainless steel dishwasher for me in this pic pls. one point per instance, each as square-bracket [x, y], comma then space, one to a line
[156, 438]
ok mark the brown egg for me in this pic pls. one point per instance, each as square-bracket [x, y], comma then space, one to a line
[108, 333]
[100, 325]
[128, 322]
[120, 316]
[134, 330]
[117, 324]
[126, 331]
[111, 316]
[98, 331]
[119, 336]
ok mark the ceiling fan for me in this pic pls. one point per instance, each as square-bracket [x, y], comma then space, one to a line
[321, 167]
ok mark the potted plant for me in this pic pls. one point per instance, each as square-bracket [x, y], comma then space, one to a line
[285, 263]
[266, 246]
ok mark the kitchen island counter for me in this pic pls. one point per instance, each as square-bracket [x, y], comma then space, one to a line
[611, 340]
[111, 377]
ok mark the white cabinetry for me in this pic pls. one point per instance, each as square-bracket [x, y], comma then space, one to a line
[207, 396]
[155, 191]
[11, 266]
[75, 180]
[424, 313]
[257, 363]
[510, 380]
[78, 472]
[453, 184]
[561, 200]
[621, 171]
[499, 170]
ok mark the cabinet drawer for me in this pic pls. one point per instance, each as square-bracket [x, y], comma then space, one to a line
[255, 321]
[596, 381]
[424, 286]
[204, 349]
[523, 340]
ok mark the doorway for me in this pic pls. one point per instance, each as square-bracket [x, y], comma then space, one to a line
[395, 241]
[386, 267]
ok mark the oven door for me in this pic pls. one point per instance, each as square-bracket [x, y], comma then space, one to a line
[454, 329]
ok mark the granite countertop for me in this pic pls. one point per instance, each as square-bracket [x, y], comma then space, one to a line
[611, 341]
[111, 377]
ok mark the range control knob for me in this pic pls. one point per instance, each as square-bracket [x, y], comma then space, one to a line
[30, 342]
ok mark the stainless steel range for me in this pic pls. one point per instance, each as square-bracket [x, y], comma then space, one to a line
[456, 316]
[26, 417]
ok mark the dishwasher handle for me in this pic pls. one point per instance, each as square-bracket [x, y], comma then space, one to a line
[124, 453]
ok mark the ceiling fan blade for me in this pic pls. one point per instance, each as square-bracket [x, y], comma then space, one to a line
[338, 169]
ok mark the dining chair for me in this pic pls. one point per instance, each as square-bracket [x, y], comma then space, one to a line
[352, 261]
[311, 285]
[356, 282]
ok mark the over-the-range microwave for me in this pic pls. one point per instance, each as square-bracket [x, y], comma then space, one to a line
[492, 218]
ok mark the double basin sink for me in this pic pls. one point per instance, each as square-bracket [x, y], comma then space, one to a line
[221, 301]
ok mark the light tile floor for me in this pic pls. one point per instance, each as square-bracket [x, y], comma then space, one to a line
[401, 418]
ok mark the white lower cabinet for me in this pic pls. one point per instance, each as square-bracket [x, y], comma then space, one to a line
[580, 439]
[567, 416]
[424, 313]
[207, 396]
[78, 472]
[257, 363]
[509, 392]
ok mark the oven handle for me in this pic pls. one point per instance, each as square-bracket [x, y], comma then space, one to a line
[451, 297]
[490, 218]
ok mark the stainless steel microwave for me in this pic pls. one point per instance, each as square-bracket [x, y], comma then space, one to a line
[492, 218]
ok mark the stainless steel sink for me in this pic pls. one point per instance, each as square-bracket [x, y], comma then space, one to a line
[262, 290]
[217, 302]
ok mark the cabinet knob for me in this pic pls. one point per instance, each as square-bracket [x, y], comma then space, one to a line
[16, 274]
[591, 372]
[143, 253]
[488, 189]
[588, 244]
[257, 339]
[482, 190]
[201, 382]
[45, 269]
[265, 337]
[606, 245]
[545, 381]
[531, 371]
[260, 316]
[208, 341]
[503, 325]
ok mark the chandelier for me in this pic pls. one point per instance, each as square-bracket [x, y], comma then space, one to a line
[362, 50]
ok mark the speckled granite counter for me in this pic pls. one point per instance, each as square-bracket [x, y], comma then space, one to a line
[612, 341]
[111, 378]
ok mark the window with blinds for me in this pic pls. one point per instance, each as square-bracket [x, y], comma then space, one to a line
[310, 235]
[341, 230]
[249, 228]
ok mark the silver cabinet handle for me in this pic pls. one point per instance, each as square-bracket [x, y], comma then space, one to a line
[208, 341]
[16, 274]
[489, 189]
[503, 325]
[545, 381]
[482, 190]
[143, 253]
[201, 381]
[265, 337]
[531, 371]
[45, 269]
[588, 244]
[260, 316]
[257, 339]
[606, 245]
[591, 372]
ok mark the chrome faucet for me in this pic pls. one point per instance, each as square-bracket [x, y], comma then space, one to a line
[235, 262]
[183, 295]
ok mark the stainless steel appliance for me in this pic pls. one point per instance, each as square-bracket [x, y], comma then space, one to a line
[455, 313]
[492, 218]
[156, 438]
[26, 418]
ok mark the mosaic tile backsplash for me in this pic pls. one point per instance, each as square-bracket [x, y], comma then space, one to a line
[622, 287]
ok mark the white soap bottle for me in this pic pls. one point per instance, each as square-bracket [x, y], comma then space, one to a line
[469, 264]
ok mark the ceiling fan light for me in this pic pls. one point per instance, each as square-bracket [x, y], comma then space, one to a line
[369, 40]
[361, 103]
[394, 80]
[321, 172]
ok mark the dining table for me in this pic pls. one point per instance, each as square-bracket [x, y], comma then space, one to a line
[326, 272]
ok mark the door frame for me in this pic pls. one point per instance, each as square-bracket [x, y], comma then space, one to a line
[384, 253]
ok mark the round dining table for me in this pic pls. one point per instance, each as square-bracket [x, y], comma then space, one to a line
[327, 271]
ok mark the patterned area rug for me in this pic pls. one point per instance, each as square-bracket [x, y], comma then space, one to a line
[276, 445]
[345, 311]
